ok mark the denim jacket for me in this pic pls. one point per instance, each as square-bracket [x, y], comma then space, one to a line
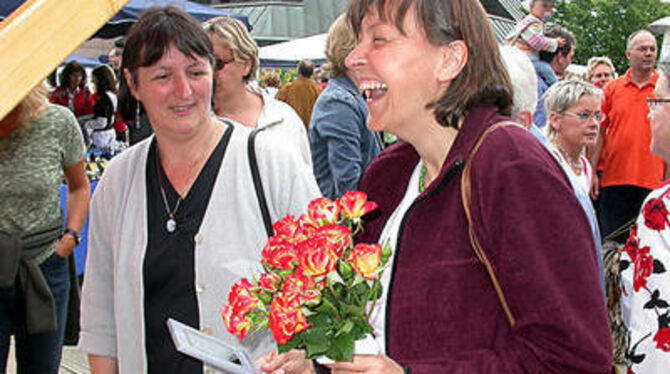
[341, 144]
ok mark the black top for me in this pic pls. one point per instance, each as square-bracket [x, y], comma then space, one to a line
[169, 263]
[104, 108]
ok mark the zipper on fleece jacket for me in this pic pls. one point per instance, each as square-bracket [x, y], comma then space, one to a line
[451, 172]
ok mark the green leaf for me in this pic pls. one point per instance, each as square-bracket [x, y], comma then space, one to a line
[352, 310]
[320, 320]
[346, 328]
[328, 307]
[342, 348]
[296, 341]
[362, 289]
[386, 252]
[316, 341]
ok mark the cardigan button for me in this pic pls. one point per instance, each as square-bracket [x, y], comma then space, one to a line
[200, 288]
[198, 238]
[207, 331]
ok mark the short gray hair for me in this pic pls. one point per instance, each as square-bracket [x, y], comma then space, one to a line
[564, 94]
[524, 80]
[629, 40]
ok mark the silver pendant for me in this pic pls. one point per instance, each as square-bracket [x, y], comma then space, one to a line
[171, 225]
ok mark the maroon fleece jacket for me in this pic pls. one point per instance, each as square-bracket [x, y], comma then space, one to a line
[443, 315]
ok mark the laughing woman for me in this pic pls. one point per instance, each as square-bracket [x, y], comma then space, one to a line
[520, 302]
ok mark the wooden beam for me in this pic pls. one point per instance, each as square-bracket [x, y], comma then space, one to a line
[39, 35]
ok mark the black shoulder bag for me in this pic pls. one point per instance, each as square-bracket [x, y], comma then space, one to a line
[258, 183]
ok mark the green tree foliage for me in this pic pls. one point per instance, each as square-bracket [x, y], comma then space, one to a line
[602, 26]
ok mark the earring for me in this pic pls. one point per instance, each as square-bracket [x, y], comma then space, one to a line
[137, 116]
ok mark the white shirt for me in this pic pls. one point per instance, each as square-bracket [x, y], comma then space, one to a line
[390, 235]
[227, 247]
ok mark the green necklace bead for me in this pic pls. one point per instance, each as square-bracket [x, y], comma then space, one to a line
[422, 178]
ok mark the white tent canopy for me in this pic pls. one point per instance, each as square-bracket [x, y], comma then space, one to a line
[290, 52]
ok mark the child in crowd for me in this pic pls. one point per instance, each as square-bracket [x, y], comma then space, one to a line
[528, 36]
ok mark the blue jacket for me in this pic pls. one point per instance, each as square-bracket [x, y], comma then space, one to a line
[543, 84]
[341, 144]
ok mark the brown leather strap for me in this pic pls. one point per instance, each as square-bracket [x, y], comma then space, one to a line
[466, 194]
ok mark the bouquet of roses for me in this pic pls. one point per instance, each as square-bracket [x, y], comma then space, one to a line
[318, 289]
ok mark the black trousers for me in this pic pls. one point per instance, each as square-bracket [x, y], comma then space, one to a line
[619, 204]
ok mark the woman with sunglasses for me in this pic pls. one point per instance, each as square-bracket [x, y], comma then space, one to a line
[237, 97]
[574, 122]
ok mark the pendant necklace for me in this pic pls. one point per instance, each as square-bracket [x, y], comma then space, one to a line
[171, 223]
[575, 165]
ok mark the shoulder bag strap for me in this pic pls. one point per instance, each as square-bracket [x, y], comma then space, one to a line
[258, 183]
[466, 195]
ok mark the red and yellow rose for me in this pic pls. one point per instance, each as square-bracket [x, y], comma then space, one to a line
[286, 318]
[322, 211]
[365, 259]
[280, 254]
[355, 204]
[317, 257]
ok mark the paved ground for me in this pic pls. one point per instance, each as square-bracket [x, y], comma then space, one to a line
[73, 362]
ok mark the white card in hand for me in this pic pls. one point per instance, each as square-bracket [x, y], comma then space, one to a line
[210, 350]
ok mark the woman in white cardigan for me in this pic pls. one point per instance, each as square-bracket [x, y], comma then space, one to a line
[175, 220]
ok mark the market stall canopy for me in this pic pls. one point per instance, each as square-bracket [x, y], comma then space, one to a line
[288, 54]
[82, 60]
[121, 22]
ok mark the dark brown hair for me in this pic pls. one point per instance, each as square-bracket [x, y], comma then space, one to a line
[483, 80]
[556, 31]
[149, 39]
[68, 70]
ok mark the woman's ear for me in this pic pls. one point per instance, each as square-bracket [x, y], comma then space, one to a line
[131, 83]
[454, 57]
[554, 121]
[247, 67]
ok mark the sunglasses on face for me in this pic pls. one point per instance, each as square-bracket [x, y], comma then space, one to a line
[656, 103]
[583, 116]
[220, 63]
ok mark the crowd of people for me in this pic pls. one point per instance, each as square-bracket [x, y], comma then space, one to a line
[507, 177]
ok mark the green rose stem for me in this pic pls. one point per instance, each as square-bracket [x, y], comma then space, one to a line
[374, 303]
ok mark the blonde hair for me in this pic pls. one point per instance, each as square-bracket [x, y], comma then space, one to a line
[32, 106]
[339, 43]
[233, 35]
[563, 95]
[593, 63]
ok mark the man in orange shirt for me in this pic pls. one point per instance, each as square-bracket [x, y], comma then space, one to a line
[629, 169]
[302, 92]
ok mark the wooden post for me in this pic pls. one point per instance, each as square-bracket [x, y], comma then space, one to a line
[39, 35]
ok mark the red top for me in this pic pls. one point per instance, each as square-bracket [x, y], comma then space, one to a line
[83, 101]
[626, 158]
